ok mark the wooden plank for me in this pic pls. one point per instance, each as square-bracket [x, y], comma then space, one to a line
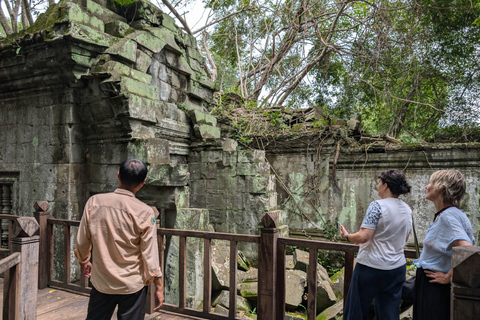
[11, 293]
[312, 284]
[66, 254]
[348, 271]
[10, 217]
[280, 289]
[69, 286]
[63, 222]
[50, 252]
[233, 280]
[43, 268]
[207, 275]
[209, 235]
[182, 266]
[196, 313]
[50, 300]
[319, 245]
[9, 262]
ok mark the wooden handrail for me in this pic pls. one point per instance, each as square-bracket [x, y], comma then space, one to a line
[209, 235]
[10, 261]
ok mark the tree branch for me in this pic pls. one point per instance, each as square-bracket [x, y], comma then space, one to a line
[178, 16]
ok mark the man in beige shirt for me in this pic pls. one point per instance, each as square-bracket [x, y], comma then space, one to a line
[120, 233]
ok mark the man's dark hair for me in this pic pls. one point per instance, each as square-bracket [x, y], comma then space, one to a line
[132, 172]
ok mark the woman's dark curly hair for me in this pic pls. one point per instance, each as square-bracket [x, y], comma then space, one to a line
[396, 181]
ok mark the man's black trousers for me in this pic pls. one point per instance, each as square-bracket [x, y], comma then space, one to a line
[130, 306]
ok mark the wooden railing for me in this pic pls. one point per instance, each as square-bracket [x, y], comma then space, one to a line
[207, 237]
[47, 251]
[11, 297]
[271, 262]
[20, 269]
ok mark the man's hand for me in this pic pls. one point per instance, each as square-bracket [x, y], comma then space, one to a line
[439, 277]
[86, 269]
[159, 298]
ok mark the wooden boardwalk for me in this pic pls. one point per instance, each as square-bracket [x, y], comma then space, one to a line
[55, 304]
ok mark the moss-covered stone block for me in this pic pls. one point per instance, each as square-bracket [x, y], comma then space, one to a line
[251, 156]
[87, 34]
[168, 175]
[143, 61]
[125, 48]
[148, 40]
[77, 14]
[205, 131]
[144, 109]
[101, 12]
[200, 117]
[140, 76]
[118, 29]
[224, 301]
[256, 184]
[168, 37]
[198, 91]
[248, 290]
[138, 88]
[168, 22]
[116, 70]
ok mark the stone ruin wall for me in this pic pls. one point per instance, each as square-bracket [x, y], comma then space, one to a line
[311, 181]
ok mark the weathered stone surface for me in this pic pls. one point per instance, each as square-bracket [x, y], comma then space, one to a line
[205, 131]
[145, 109]
[168, 175]
[229, 145]
[76, 14]
[202, 118]
[248, 290]
[337, 283]
[118, 28]
[221, 265]
[220, 310]
[301, 259]
[125, 48]
[295, 281]
[138, 88]
[223, 300]
[325, 295]
[332, 312]
[101, 12]
[289, 264]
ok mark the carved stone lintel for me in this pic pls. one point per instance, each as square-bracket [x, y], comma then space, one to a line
[270, 220]
[25, 227]
[41, 206]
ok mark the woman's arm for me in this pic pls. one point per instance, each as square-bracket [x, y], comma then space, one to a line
[441, 277]
[362, 236]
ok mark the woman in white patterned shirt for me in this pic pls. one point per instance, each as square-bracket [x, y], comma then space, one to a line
[381, 266]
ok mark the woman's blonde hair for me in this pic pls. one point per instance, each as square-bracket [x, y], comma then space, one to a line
[452, 185]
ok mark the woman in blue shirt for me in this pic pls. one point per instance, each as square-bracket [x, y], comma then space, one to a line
[450, 228]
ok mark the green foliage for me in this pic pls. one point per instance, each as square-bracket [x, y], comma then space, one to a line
[330, 229]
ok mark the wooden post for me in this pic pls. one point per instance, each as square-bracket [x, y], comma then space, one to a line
[42, 214]
[465, 294]
[27, 244]
[267, 268]
[348, 271]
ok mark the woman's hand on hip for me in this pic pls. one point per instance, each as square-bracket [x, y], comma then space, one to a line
[439, 277]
